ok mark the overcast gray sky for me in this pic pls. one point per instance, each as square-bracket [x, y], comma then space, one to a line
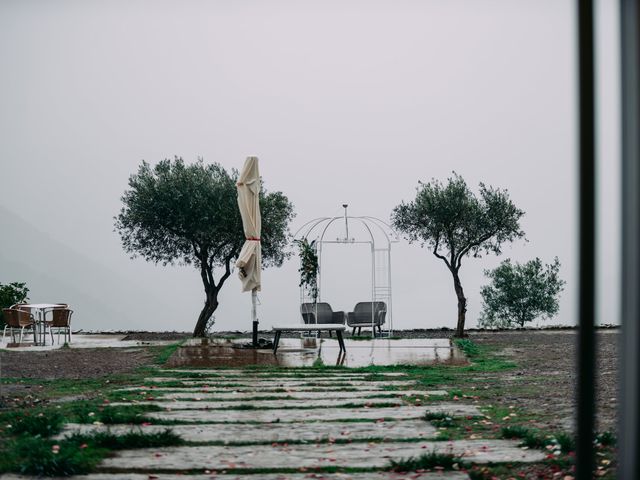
[342, 101]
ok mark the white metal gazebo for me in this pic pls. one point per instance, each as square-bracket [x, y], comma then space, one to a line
[348, 230]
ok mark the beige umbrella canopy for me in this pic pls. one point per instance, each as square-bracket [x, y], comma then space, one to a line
[250, 259]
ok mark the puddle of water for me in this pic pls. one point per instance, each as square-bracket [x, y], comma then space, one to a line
[304, 352]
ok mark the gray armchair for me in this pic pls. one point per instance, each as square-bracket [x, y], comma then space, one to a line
[320, 312]
[367, 314]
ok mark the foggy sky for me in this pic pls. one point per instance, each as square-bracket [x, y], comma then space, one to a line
[343, 102]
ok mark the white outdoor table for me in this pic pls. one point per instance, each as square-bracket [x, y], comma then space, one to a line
[41, 309]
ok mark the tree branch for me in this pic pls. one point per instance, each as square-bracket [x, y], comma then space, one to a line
[205, 276]
[441, 257]
[476, 243]
[227, 266]
[215, 254]
[210, 276]
[452, 249]
[197, 251]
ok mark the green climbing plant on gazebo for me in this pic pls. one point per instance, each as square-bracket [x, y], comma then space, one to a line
[308, 267]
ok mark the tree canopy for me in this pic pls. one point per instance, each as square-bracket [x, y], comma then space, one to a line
[454, 223]
[174, 213]
[520, 293]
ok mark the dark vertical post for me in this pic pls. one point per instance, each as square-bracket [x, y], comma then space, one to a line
[629, 464]
[254, 334]
[586, 300]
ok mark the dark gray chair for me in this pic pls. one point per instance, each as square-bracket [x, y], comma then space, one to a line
[367, 314]
[320, 312]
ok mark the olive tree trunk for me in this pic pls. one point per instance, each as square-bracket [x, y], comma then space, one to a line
[211, 289]
[210, 306]
[462, 303]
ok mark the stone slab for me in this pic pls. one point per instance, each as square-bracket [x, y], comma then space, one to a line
[317, 415]
[259, 404]
[261, 390]
[281, 383]
[273, 432]
[262, 476]
[198, 394]
[278, 373]
[357, 455]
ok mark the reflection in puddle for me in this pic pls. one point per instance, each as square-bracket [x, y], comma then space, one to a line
[304, 352]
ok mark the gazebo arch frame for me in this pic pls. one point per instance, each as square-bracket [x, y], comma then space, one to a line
[380, 238]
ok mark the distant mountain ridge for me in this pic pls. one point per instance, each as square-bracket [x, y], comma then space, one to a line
[54, 272]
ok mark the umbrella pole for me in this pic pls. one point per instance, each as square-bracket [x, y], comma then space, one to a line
[254, 316]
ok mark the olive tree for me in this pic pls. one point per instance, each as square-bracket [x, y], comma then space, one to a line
[454, 223]
[520, 293]
[181, 214]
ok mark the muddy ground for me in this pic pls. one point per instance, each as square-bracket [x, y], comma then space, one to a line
[543, 383]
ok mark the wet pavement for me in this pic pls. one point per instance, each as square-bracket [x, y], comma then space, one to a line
[307, 351]
[81, 341]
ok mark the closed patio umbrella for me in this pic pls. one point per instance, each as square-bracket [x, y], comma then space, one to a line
[249, 261]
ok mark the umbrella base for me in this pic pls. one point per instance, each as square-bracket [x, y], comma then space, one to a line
[254, 337]
[258, 344]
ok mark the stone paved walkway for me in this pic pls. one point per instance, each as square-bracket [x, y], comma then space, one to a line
[303, 429]
[263, 476]
[214, 404]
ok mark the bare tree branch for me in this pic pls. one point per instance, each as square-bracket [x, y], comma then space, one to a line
[441, 257]
[227, 268]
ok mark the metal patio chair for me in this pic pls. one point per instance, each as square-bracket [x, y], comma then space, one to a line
[18, 320]
[61, 321]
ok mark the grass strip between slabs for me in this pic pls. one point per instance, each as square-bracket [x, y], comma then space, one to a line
[153, 421]
[318, 441]
[534, 438]
[233, 470]
[75, 455]
[428, 461]
[242, 406]
[440, 419]
[135, 396]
